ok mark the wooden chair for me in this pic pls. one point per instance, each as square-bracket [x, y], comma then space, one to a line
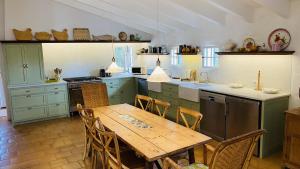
[112, 156]
[158, 105]
[94, 95]
[182, 114]
[87, 117]
[234, 153]
[140, 100]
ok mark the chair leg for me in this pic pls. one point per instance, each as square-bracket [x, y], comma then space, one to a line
[204, 155]
[85, 147]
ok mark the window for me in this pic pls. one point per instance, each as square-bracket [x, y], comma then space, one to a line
[209, 58]
[124, 57]
[175, 58]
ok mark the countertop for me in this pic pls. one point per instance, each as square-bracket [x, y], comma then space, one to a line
[225, 89]
[37, 85]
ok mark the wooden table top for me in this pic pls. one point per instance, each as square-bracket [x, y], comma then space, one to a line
[164, 138]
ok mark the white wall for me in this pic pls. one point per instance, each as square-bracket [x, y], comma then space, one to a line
[44, 15]
[2, 19]
[278, 71]
[81, 59]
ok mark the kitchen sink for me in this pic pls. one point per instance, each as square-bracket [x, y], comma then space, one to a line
[189, 91]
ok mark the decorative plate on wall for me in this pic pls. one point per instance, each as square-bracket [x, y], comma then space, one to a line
[81, 34]
[279, 36]
[122, 36]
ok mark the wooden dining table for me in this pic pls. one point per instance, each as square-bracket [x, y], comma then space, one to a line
[150, 135]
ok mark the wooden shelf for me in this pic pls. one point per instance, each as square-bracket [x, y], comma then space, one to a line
[73, 41]
[187, 53]
[153, 53]
[257, 53]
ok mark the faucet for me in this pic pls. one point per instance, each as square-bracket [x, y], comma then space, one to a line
[203, 77]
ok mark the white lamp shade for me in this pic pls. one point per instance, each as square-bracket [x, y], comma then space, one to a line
[114, 68]
[158, 75]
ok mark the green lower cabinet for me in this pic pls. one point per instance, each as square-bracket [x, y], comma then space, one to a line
[58, 109]
[38, 103]
[29, 114]
[116, 99]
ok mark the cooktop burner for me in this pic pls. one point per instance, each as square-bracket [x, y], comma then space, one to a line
[81, 79]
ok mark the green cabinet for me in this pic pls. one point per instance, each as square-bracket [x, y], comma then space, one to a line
[121, 90]
[38, 102]
[24, 63]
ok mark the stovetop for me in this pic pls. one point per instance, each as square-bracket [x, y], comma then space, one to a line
[82, 79]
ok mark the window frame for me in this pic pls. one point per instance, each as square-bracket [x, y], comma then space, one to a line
[210, 59]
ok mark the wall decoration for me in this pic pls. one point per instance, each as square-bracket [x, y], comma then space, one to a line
[249, 45]
[279, 39]
[60, 36]
[229, 46]
[43, 36]
[104, 38]
[81, 34]
[23, 35]
[122, 36]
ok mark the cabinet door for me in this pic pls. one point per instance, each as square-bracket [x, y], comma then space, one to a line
[142, 87]
[34, 61]
[128, 90]
[15, 64]
[29, 113]
[59, 109]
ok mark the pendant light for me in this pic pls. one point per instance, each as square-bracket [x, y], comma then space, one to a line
[158, 74]
[113, 67]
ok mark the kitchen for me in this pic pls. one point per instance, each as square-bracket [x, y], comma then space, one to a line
[218, 90]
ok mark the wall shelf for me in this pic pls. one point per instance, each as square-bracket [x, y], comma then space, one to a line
[258, 53]
[187, 53]
[72, 41]
[153, 53]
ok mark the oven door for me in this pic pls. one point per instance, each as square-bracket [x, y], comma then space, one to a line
[75, 95]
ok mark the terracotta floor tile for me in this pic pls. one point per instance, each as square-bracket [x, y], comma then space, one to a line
[58, 144]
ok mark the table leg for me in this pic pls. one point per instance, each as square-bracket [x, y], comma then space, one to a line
[148, 165]
[191, 156]
[157, 165]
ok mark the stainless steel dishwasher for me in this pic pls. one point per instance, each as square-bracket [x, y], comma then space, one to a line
[213, 108]
[226, 116]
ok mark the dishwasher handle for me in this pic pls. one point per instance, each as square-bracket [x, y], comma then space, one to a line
[212, 97]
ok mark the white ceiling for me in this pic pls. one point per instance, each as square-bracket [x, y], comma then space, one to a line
[176, 15]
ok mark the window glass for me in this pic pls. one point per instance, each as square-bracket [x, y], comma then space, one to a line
[209, 57]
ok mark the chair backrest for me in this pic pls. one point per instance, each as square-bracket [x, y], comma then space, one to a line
[112, 149]
[144, 102]
[94, 95]
[87, 117]
[184, 113]
[235, 153]
[160, 107]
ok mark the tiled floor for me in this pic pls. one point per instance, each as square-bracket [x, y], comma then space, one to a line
[58, 144]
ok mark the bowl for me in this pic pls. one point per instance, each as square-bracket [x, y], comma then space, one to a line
[270, 90]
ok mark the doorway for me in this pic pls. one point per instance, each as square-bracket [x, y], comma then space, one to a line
[3, 112]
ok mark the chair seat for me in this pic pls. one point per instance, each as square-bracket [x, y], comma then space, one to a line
[195, 166]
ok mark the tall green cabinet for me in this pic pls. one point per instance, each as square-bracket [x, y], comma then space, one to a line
[24, 63]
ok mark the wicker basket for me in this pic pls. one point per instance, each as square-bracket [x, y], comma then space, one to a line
[81, 34]
[60, 36]
[43, 36]
[103, 38]
[23, 35]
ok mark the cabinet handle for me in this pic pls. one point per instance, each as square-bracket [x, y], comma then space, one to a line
[27, 91]
[24, 66]
[28, 96]
[57, 104]
[56, 88]
[29, 108]
[56, 93]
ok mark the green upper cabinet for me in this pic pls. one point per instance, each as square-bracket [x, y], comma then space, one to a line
[15, 64]
[34, 61]
[24, 63]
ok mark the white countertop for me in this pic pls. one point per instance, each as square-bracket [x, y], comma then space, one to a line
[225, 89]
[38, 84]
